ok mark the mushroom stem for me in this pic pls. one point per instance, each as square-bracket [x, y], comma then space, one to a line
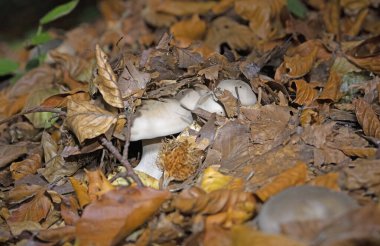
[147, 164]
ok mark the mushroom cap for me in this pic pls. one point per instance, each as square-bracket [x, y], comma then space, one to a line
[159, 118]
[189, 98]
[246, 95]
[303, 203]
[208, 103]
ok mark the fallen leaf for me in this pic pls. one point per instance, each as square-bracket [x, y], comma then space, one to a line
[181, 8]
[88, 120]
[367, 118]
[106, 82]
[359, 152]
[81, 191]
[132, 81]
[329, 180]
[25, 167]
[291, 177]
[298, 66]
[213, 180]
[117, 214]
[305, 94]
[10, 153]
[189, 30]
[98, 184]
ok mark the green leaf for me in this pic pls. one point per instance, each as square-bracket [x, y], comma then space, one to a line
[40, 38]
[297, 8]
[7, 66]
[59, 11]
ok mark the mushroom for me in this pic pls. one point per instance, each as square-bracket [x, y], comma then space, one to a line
[246, 96]
[201, 98]
[152, 121]
[303, 203]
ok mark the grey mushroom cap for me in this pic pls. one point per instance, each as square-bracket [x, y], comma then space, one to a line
[159, 118]
[303, 203]
[246, 95]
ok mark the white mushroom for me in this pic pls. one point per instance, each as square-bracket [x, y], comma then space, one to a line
[303, 203]
[153, 120]
[246, 96]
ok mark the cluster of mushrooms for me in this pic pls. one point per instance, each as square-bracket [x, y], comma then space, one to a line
[156, 119]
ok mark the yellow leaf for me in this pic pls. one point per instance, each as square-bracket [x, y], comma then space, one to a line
[87, 120]
[213, 180]
[291, 177]
[106, 82]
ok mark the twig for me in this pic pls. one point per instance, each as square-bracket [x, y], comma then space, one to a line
[119, 157]
[37, 109]
[127, 133]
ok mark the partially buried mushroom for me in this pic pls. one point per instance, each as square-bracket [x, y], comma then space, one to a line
[152, 121]
[301, 204]
[206, 100]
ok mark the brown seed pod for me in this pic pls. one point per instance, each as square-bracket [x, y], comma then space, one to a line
[178, 159]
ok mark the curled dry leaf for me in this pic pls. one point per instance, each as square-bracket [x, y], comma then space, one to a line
[225, 30]
[34, 210]
[297, 66]
[181, 8]
[367, 118]
[213, 180]
[98, 184]
[25, 167]
[229, 102]
[81, 191]
[132, 81]
[263, 16]
[306, 94]
[367, 55]
[106, 82]
[291, 177]
[189, 30]
[359, 152]
[87, 120]
[224, 207]
[329, 180]
[331, 90]
[117, 214]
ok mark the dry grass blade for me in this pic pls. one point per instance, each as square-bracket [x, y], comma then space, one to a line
[107, 84]
[367, 118]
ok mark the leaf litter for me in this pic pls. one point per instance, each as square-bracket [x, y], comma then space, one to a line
[67, 160]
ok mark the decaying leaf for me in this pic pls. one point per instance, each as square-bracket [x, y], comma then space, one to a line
[329, 180]
[116, 214]
[26, 167]
[132, 81]
[10, 153]
[87, 120]
[366, 54]
[359, 152]
[189, 30]
[97, 184]
[184, 8]
[106, 82]
[213, 180]
[306, 94]
[367, 118]
[291, 177]
[223, 207]
[297, 66]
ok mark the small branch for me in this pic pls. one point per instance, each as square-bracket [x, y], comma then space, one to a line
[37, 109]
[127, 133]
[119, 157]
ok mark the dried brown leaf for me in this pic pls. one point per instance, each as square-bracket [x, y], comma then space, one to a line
[359, 152]
[181, 8]
[291, 177]
[81, 191]
[87, 120]
[223, 207]
[189, 30]
[25, 167]
[367, 118]
[106, 82]
[306, 94]
[132, 81]
[329, 180]
[10, 153]
[116, 214]
[366, 54]
[98, 184]
[331, 91]
[230, 103]
[35, 210]
[263, 16]
[297, 66]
